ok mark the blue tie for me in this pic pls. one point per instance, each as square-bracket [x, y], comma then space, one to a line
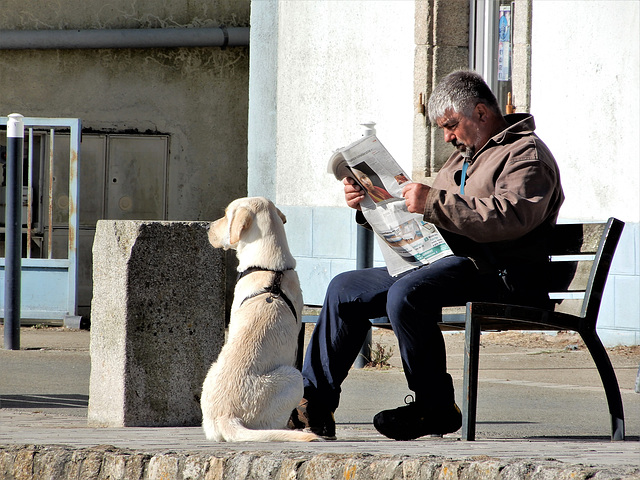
[463, 178]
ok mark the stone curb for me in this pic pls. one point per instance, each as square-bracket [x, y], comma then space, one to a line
[44, 462]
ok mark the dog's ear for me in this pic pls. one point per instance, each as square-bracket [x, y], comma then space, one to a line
[240, 222]
[281, 215]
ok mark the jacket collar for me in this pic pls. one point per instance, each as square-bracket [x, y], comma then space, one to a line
[520, 124]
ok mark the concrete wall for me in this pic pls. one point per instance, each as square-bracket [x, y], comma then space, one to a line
[196, 95]
[585, 96]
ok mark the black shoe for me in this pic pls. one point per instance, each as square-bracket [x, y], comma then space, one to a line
[416, 420]
[316, 420]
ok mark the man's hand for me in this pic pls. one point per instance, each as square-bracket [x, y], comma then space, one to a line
[415, 196]
[353, 194]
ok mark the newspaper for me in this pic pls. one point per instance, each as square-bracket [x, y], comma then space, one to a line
[405, 239]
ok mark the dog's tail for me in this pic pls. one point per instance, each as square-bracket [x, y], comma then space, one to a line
[232, 430]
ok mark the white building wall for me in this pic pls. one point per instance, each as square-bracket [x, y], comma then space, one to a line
[329, 65]
[585, 96]
[320, 67]
[586, 99]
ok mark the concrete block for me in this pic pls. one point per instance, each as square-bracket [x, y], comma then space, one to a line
[422, 84]
[157, 322]
[451, 18]
[448, 58]
[423, 27]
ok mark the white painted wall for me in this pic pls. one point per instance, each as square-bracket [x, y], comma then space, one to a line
[326, 66]
[585, 96]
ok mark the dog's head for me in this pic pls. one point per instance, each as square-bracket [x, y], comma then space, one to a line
[245, 220]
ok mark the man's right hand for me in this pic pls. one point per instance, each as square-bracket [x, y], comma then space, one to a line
[353, 194]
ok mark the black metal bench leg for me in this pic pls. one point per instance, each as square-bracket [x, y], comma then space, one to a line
[364, 356]
[300, 351]
[470, 377]
[609, 382]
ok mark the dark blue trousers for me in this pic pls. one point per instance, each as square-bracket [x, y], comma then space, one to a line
[412, 301]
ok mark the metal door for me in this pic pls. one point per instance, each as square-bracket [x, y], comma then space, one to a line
[136, 178]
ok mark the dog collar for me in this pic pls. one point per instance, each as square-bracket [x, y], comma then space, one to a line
[274, 290]
[257, 269]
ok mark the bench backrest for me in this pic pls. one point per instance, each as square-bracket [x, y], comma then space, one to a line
[581, 255]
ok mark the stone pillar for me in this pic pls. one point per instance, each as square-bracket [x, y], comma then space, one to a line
[442, 45]
[157, 322]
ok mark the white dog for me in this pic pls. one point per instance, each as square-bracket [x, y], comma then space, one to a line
[252, 388]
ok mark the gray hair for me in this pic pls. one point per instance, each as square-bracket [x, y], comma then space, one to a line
[461, 91]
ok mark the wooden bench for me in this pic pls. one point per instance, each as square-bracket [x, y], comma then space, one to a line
[581, 255]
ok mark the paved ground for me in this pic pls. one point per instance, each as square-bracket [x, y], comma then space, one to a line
[540, 397]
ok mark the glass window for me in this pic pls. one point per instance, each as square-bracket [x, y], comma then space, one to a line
[504, 54]
[491, 46]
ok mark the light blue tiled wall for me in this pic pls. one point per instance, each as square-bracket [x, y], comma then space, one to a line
[619, 320]
[323, 240]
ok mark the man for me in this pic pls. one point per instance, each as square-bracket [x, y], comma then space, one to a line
[495, 213]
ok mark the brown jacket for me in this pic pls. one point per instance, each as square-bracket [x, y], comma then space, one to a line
[511, 200]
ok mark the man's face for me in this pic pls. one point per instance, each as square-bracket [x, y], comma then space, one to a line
[464, 133]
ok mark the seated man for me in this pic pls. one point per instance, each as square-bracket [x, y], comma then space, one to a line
[495, 214]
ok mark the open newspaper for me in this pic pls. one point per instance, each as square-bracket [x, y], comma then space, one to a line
[405, 239]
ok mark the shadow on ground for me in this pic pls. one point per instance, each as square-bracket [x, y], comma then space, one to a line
[44, 401]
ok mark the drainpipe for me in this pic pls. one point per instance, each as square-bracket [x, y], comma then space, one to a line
[364, 259]
[13, 238]
[124, 38]
[364, 252]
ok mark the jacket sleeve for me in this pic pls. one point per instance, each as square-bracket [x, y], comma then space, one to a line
[524, 196]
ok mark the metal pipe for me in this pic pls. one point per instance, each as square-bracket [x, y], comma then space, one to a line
[29, 193]
[74, 216]
[364, 259]
[124, 38]
[50, 226]
[364, 252]
[13, 232]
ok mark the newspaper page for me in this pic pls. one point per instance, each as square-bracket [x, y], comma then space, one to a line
[405, 239]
